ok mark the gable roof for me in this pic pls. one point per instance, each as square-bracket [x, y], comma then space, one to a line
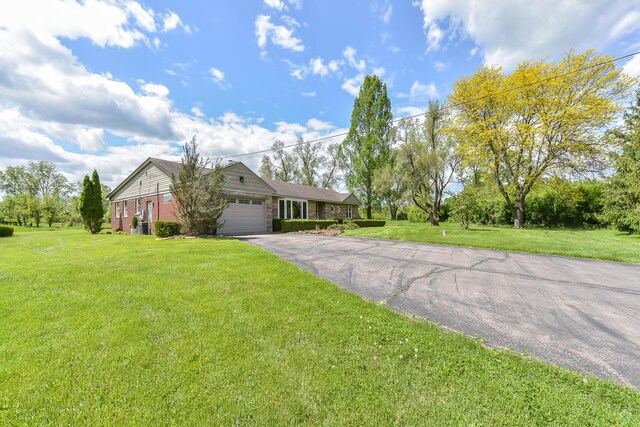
[314, 193]
[281, 188]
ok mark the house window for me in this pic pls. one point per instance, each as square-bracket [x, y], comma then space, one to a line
[256, 202]
[333, 209]
[349, 212]
[167, 198]
[244, 201]
[117, 210]
[125, 210]
[138, 207]
[232, 200]
[293, 209]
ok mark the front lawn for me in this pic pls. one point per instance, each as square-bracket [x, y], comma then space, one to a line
[582, 243]
[129, 330]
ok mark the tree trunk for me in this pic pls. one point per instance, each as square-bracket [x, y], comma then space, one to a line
[369, 212]
[435, 214]
[518, 212]
[394, 211]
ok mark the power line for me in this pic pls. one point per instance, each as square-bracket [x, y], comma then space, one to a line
[444, 107]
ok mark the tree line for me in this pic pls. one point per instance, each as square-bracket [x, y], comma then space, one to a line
[38, 194]
[535, 146]
[534, 139]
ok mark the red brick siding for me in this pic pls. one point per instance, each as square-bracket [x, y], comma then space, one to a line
[161, 211]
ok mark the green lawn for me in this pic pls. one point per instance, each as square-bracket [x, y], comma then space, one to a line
[583, 243]
[128, 330]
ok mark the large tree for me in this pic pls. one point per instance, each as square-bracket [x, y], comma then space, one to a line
[367, 146]
[390, 184]
[542, 119]
[622, 198]
[429, 159]
[281, 165]
[310, 161]
[197, 189]
[91, 208]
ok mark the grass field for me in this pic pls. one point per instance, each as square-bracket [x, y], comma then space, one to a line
[582, 243]
[128, 330]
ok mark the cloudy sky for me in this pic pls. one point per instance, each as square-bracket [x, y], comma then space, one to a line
[107, 83]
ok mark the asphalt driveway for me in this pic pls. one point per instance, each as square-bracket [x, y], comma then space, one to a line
[580, 314]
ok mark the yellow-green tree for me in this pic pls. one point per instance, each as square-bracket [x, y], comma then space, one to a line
[542, 119]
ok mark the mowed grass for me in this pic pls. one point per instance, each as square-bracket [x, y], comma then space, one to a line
[582, 243]
[128, 330]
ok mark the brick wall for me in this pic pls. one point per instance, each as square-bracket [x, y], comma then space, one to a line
[160, 211]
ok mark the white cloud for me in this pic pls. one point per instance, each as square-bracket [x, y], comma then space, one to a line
[509, 33]
[394, 49]
[47, 96]
[319, 125]
[144, 17]
[441, 66]
[197, 111]
[316, 66]
[386, 15]
[632, 67]
[409, 111]
[279, 35]
[309, 94]
[290, 21]
[297, 4]
[420, 92]
[352, 85]
[172, 21]
[218, 78]
[275, 4]
[350, 54]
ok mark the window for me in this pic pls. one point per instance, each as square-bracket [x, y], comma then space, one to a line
[333, 209]
[167, 198]
[349, 212]
[232, 200]
[138, 207]
[256, 202]
[338, 209]
[244, 201]
[117, 210]
[125, 210]
[293, 209]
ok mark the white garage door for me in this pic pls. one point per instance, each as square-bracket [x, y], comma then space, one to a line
[244, 216]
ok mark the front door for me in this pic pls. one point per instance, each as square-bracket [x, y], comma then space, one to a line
[149, 214]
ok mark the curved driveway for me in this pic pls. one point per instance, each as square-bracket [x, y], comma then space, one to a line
[580, 314]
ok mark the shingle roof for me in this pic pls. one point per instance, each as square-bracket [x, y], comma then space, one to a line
[290, 189]
[287, 189]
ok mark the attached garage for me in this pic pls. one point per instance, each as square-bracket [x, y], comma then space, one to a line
[244, 216]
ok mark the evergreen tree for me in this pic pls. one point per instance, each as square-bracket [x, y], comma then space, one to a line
[367, 146]
[622, 199]
[91, 208]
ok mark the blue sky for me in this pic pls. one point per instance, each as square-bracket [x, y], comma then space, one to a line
[106, 83]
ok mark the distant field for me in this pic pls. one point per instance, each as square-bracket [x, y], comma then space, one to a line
[582, 243]
[129, 330]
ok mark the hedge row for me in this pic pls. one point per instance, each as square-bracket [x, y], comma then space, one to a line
[6, 231]
[167, 228]
[287, 225]
[367, 222]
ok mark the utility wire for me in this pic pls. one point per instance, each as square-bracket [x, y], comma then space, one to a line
[444, 107]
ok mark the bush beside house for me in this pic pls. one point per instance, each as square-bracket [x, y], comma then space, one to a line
[167, 228]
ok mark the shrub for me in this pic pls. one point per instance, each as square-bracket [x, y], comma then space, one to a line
[6, 231]
[167, 228]
[417, 215]
[288, 225]
[347, 225]
[134, 222]
[366, 222]
[401, 216]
